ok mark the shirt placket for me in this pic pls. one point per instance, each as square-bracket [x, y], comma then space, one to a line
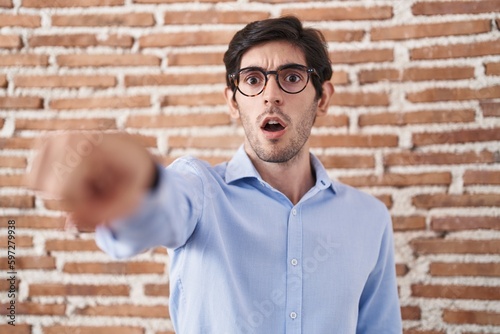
[294, 273]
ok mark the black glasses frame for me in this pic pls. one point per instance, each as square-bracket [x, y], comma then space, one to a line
[234, 77]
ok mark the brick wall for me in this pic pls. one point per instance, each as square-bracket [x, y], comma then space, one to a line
[415, 121]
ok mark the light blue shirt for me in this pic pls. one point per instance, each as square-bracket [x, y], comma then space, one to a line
[244, 259]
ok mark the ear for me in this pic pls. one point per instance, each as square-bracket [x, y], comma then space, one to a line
[324, 101]
[234, 111]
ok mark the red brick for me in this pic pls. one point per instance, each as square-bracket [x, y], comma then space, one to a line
[169, 121]
[492, 68]
[438, 73]
[24, 60]
[200, 99]
[454, 7]
[401, 269]
[56, 205]
[481, 177]
[18, 328]
[471, 317]
[16, 143]
[186, 39]
[212, 160]
[430, 30]
[416, 331]
[25, 102]
[74, 40]
[174, 79]
[455, 291]
[66, 81]
[98, 60]
[13, 162]
[115, 268]
[10, 42]
[351, 13]
[199, 58]
[360, 99]
[340, 78]
[66, 124]
[460, 223]
[12, 180]
[115, 102]
[77, 245]
[446, 200]
[29, 308]
[219, 142]
[347, 161]
[39, 222]
[374, 76]
[156, 290]
[362, 56]
[473, 269]
[343, 35]
[212, 16]
[59, 329]
[103, 20]
[21, 241]
[408, 223]
[398, 180]
[125, 310]
[458, 246]
[354, 141]
[3, 81]
[410, 313]
[17, 201]
[478, 49]
[456, 137]
[453, 94]
[71, 3]
[56, 289]
[25, 21]
[418, 117]
[490, 109]
[6, 4]
[332, 121]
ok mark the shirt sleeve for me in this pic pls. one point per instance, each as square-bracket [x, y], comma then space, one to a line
[166, 217]
[379, 308]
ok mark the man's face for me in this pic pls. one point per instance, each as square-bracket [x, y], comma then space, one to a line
[277, 124]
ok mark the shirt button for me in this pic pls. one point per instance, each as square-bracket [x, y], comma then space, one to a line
[294, 262]
[293, 315]
[294, 212]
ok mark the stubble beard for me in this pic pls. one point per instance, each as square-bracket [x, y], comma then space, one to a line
[275, 150]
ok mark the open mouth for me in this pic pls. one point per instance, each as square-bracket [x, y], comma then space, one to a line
[273, 125]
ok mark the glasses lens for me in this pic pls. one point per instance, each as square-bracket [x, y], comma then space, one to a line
[293, 79]
[251, 81]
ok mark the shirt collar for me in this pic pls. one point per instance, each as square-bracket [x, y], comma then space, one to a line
[240, 166]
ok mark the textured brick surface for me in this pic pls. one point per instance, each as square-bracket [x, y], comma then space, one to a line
[414, 121]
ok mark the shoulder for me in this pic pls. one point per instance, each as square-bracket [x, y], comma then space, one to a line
[192, 165]
[361, 202]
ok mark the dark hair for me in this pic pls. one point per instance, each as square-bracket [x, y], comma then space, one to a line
[289, 29]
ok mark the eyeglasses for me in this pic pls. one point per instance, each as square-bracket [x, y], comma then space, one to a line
[291, 78]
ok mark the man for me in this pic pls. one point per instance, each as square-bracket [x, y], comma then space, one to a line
[265, 243]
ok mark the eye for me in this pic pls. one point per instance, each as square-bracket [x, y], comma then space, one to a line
[252, 78]
[292, 76]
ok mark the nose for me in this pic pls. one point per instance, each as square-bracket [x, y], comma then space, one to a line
[272, 92]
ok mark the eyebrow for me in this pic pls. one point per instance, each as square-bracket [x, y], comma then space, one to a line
[279, 67]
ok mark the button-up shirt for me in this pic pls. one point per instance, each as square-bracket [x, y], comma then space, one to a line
[245, 259]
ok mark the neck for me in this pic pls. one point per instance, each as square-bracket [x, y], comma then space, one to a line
[293, 178]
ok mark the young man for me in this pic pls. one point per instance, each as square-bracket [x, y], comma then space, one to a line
[265, 243]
